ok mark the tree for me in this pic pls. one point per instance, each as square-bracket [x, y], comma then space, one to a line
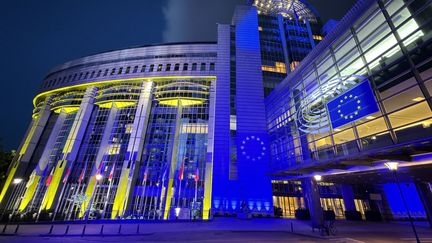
[5, 160]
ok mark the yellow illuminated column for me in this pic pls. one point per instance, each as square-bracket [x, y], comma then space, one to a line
[103, 149]
[136, 143]
[71, 147]
[36, 176]
[173, 166]
[207, 203]
[27, 147]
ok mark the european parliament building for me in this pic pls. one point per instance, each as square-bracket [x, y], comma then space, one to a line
[273, 119]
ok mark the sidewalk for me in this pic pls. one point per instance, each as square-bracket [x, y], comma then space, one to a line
[219, 229]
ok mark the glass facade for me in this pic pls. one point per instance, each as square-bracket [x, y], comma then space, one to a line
[382, 45]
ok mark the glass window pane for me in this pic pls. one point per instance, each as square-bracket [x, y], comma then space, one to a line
[410, 115]
[344, 136]
[372, 127]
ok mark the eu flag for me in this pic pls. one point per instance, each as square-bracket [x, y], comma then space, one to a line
[352, 105]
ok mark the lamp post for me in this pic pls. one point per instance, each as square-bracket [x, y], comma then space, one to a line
[98, 178]
[393, 167]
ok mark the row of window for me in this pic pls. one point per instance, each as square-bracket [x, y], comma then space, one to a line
[130, 69]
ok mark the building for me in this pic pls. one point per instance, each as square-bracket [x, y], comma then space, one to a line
[239, 127]
[359, 99]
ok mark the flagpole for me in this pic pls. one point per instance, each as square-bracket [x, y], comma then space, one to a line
[62, 192]
[40, 208]
[107, 198]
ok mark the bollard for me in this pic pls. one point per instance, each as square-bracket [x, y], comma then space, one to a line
[138, 229]
[101, 231]
[51, 229]
[119, 231]
[67, 230]
[17, 227]
[83, 232]
[292, 227]
[4, 228]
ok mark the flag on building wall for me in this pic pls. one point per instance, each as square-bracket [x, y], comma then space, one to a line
[81, 177]
[352, 104]
[145, 176]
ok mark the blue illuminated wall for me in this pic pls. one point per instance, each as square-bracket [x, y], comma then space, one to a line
[241, 181]
[396, 204]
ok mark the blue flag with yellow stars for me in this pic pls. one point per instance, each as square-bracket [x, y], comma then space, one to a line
[352, 105]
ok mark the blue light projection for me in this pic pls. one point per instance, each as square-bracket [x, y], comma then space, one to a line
[352, 105]
[396, 204]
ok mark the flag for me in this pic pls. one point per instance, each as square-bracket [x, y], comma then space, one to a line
[352, 104]
[196, 177]
[111, 174]
[67, 175]
[145, 176]
[31, 179]
[81, 177]
[99, 169]
[48, 181]
[181, 170]
[43, 175]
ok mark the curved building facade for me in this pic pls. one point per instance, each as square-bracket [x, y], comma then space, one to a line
[121, 131]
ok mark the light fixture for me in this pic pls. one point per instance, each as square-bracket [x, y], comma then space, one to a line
[177, 211]
[98, 177]
[416, 99]
[393, 166]
[318, 177]
[370, 117]
[17, 180]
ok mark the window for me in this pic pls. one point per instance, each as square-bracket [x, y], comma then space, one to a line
[99, 73]
[113, 71]
[159, 68]
[127, 70]
[185, 67]
[212, 66]
[151, 68]
[92, 74]
[86, 75]
[105, 73]
[168, 67]
[177, 67]
[203, 67]
[120, 71]
[143, 68]
[194, 66]
[80, 76]
[135, 69]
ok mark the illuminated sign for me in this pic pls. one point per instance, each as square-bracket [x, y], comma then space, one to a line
[352, 105]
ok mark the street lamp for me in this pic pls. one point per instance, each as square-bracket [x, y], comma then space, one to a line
[318, 178]
[393, 167]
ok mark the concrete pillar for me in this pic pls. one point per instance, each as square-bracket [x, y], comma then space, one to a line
[424, 191]
[70, 149]
[312, 197]
[25, 151]
[131, 164]
[33, 184]
[348, 197]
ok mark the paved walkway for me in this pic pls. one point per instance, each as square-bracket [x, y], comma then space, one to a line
[217, 230]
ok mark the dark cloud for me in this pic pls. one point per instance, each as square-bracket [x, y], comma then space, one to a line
[195, 20]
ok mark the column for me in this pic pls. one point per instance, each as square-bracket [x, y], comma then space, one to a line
[25, 151]
[207, 202]
[70, 149]
[312, 196]
[424, 191]
[103, 149]
[351, 212]
[131, 165]
[40, 171]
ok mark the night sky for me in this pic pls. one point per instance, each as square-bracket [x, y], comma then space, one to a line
[37, 35]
